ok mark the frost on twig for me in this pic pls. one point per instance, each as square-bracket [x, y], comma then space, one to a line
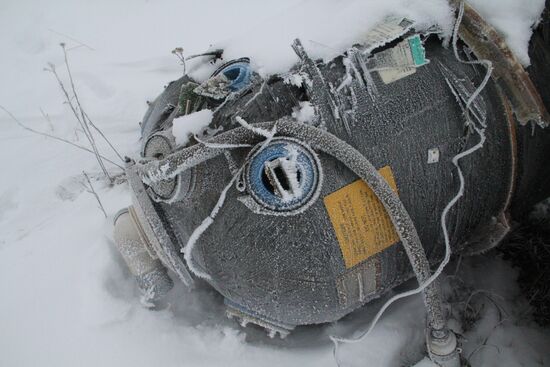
[55, 137]
[90, 188]
[178, 51]
[85, 124]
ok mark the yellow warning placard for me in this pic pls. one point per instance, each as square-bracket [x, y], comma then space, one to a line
[361, 223]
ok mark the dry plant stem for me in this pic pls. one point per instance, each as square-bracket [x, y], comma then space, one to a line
[56, 137]
[103, 136]
[68, 99]
[52, 70]
[178, 51]
[87, 120]
[47, 118]
[93, 192]
[83, 117]
[82, 123]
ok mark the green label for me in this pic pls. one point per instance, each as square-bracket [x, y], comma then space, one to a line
[417, 50]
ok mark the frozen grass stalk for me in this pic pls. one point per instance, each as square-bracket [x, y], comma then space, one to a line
[50, 136]
[80, 114]
[91, 190]
[178, 51]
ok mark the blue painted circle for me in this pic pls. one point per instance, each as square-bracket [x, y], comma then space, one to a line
[239, 74]
[262, 190]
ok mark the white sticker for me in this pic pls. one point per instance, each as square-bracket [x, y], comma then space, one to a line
[386, 31]
[433, 155]
[399, 61]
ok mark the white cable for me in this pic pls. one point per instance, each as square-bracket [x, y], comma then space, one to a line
[488, 64]
[454, 200]
[208, 144]
[268, 134]
[257, 94]
[188, 248]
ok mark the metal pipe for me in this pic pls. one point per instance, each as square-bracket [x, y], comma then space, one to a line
[151, 276]
[326, 142]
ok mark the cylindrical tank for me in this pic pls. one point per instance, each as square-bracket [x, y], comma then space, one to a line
[150, 275]
[300, 239]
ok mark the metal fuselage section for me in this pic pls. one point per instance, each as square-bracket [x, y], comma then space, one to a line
[337, 250]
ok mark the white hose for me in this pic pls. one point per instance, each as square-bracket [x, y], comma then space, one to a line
[188, 249]
[481, 132]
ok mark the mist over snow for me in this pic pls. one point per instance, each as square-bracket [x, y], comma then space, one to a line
[66, 298]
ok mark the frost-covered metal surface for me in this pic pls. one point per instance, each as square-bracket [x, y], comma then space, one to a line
[291, 270]
[60, 273]
[155, 228]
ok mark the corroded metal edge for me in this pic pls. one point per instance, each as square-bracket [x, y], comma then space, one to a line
[508, 72]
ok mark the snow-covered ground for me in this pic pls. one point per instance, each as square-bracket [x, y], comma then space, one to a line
[66, 299]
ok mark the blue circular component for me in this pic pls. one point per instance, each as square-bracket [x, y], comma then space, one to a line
[238, 72]
[283, 176]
